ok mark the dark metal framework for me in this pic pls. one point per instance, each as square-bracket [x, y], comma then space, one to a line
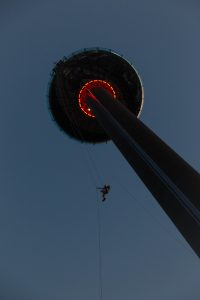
[171, 180]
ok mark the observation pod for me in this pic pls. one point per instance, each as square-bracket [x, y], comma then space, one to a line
[84, 70]
[96, 95]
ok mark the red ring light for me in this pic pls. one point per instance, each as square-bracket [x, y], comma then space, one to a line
[89, 86]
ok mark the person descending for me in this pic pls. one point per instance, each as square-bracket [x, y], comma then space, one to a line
[104, 191]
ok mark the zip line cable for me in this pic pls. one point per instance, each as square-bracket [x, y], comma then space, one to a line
[75, 127]
[90, 159]
[92, 164]
[99, 248]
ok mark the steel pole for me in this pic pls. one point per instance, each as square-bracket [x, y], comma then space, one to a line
[173, 182]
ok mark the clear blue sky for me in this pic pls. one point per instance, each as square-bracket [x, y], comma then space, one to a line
[48, 224]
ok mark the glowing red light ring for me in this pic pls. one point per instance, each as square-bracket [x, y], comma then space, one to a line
[89, 86]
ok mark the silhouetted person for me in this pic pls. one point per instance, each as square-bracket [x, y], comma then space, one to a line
[104, 191]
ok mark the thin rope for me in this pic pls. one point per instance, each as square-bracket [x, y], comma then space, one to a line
[99, 249]
[92, 164]
[90, 159]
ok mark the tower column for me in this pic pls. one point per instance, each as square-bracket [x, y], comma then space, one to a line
[173, 182]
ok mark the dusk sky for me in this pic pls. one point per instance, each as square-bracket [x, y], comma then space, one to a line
[48, 205]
